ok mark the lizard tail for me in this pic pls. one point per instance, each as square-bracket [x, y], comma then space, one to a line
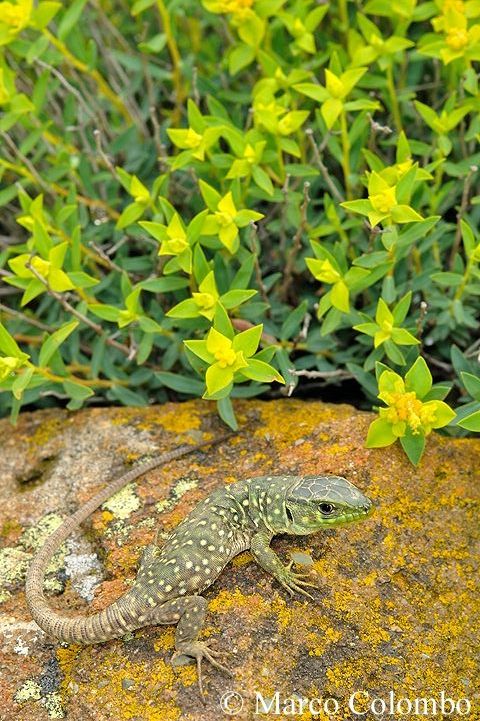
[125, 614]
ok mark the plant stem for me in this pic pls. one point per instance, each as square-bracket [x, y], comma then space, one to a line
[345, 153]
[97, 78]
[343, 15]
[296, 245]
[397, 117]
[128, 352]
[461, 212]
[176, 60]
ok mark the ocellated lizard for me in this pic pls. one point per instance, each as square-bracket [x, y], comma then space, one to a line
[240, 516]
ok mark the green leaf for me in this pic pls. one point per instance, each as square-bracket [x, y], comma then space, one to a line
[340, 297]
[447, 279]
[8, 346]
[401, 309]
[471, 423]
[395, 355]
[291, 324]
[21, 382]
[241, 56]
[226, 413]
[164, 285]
[82, 280]
[155, 45]
[185, 309]
[44, 13]
[130, 214]
[70, 18]
[419, 378]
[149, 325]
[413, 445]
[262, 372]
[405, 214]
[380, 434]
[55, 341]
[181, 384]
[107, 312]
[77, 392]
[467, 237]
[243, 275]
[403, 337]
[262, 179]
[437, 392]
[472, 384]
[367, 328]
[248, 340]
[222, 322]
[211, 196]
[234, 298]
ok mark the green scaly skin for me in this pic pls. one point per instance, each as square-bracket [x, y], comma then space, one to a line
[244, 515]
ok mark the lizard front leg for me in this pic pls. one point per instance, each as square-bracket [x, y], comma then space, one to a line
[266, 557]
[189, 614]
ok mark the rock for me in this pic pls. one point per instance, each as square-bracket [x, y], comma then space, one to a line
[396, 616]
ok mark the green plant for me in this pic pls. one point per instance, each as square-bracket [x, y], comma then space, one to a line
[166, 203]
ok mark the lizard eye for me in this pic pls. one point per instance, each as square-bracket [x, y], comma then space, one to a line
[326, 508]
[289, 514]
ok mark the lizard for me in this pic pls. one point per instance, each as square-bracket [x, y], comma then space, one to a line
[243, 515]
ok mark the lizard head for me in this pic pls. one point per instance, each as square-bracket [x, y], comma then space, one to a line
[316, 502]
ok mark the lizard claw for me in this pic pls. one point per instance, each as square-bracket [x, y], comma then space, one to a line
[295, 582]
[199, 650]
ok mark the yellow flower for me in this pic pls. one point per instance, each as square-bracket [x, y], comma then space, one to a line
[8, 365]
[384, 201]
[228, 361]
[457, 38]
[326, 273]
[13, 18]
[239, 8]
[192, 138]
[225, 218]
[176, 241]
[405, 410]
[206, 298]
[250, 154]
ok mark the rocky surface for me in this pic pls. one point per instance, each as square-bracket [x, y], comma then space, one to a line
[398, 606]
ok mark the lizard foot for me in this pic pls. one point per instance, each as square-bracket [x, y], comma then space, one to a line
[198, 650]
[295, 582]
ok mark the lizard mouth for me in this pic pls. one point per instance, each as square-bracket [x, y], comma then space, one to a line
[350, 516]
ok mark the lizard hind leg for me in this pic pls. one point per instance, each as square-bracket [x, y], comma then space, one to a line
[188, 613]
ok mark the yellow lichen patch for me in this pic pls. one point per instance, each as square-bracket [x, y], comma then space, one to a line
[290, 424]
[131, 689]
[369, 579]
[225, 601]
[165, 640]
[180, 418]
[318, 641]
[284, 612]
[67, 657]
[46, 431]
[242, 559]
